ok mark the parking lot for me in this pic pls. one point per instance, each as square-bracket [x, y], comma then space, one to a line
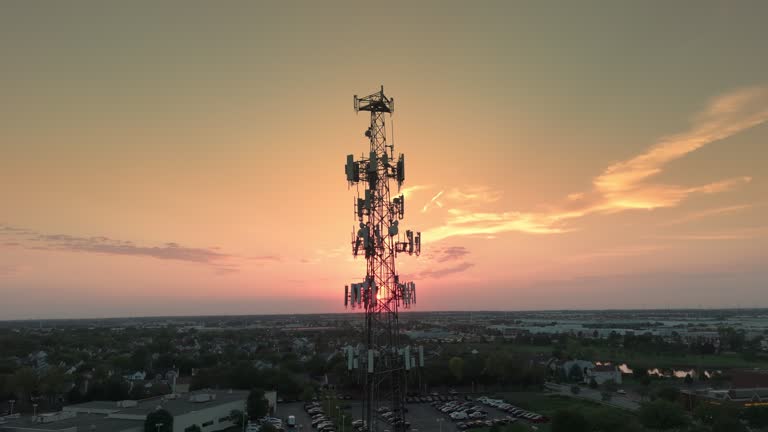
[481, 412]
[303, 421]
[424, 414]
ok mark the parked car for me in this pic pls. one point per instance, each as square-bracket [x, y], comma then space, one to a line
[459, 415]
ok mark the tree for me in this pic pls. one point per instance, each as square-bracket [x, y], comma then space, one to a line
[575, 373]
[159, 417]
[639, 372]
[308, 393]
[611, 420]
[456, 365]
[237, 418]
[662, 414]
[643, 392]
[497, 367]
[139, 360]
[74, 396]
[720, 418]
[258, 406]
[569, 421]
[287, 385]
[560, 376]
[756, 416]
[52, 383]
[23, 383]
[316, 366]
[728, 424]
[671, 394]
[610, 386]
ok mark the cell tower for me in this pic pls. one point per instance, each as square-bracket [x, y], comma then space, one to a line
[383, 363]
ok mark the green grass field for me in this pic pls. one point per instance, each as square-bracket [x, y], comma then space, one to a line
[653, 360]
[548, 405]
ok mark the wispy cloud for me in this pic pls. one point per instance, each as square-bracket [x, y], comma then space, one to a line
[437, 273]
[471, 195]
[469, 223]
[6, 270]
[734, 234]
[104, 245]
[434, 201]
[623, 185]
[410, 190]
[725, 116]
[266, 258]
[440, 254]
[618, 252]
[708, 213]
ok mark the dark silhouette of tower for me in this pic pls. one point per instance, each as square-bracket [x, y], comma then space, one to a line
[383, 363]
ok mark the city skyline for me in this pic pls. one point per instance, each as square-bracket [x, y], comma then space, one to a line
[159, 161]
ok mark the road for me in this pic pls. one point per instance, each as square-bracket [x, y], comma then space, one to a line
[617, 400]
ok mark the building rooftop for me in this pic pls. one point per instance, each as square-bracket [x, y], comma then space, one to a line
[96, 406]
[183, 404]
[750, 378]
[98, 416]
[83, 422]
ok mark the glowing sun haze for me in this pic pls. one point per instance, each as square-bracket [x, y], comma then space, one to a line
[187, 158]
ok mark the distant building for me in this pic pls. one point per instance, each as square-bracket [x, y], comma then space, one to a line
[210, 410]
[136, 376]
[603, 373]
[432, 334]
[39, 360]
[749, 387]
[303, 345]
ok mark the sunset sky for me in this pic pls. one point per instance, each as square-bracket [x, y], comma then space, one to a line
[161, 158]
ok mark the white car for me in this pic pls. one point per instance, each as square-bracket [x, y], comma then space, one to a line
[461, 415]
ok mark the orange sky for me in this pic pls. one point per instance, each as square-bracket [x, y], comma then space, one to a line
[189, 160]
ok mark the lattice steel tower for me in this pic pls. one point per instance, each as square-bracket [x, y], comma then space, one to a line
[382, 362]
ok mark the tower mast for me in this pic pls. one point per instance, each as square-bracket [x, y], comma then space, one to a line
[384, 362]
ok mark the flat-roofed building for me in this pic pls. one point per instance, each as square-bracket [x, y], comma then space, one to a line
[210, 410]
